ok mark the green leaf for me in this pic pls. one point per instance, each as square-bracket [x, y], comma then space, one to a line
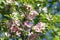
[56, 38]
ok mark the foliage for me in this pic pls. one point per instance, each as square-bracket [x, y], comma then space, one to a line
[29, 19]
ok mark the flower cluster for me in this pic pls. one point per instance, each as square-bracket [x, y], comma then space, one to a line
[39, 27]
[13, 29]
[17, 27]
[29, 19]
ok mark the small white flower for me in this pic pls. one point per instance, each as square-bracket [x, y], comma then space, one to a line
[25, 4]
[44, 9]
[22, 15]
[38, 4]
[29, 34]
[16, 3]
[7, 34]
[49, 17]
[21, 29]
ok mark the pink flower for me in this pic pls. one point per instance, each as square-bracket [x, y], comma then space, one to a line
[39, 27]
[14, 29]
[31, 15]
[28, 24]
[18, 33]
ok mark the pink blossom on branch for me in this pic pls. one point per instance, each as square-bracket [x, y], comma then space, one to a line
[39, 27]
[28, 24]
[18, 33]
[14, 29]
[31, 15]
